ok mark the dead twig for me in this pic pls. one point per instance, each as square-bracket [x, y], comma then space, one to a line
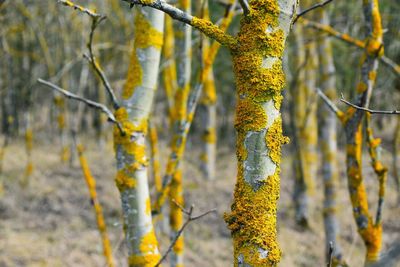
[88, 102]
[190, 219]
[372, 111]
[302, 13]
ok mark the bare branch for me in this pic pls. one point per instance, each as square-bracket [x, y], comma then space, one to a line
[372, 111]
[331, 250]
[328, 102]
[91, 13]
[88, 102]
[302, 13]
[203, 25]
[190, 219]
[395, 68]
[245, 6]
[96, 20]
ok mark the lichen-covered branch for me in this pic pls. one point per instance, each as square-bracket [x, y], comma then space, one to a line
[380, 169]
[91, 185]
[370, 231]
[205, 26]
[395, 68]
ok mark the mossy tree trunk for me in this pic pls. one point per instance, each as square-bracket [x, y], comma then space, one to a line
[130, 147]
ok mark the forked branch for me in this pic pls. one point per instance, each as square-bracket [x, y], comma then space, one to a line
[190, 218]
[329, 103]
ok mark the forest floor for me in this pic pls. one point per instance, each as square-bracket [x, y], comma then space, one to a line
[50, 222]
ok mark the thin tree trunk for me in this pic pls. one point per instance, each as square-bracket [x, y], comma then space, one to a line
[183, 41]
[396, 147]
[328, 142]
[209, 102]
[370, 231]
[130, 147]
[299, 102]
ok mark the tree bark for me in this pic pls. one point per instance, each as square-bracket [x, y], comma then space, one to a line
[130, 146]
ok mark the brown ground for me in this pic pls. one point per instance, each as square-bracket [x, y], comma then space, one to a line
[51, 223]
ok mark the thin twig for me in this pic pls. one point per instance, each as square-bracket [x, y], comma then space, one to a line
[190, 219]
[330, 255]
[80, 8]
[302, 13]
[96, 66]
[245, 6]
[372, 111]
[96, 20]
[328, 102]
[88, 102]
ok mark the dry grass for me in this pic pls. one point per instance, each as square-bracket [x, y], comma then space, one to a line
[50, 222]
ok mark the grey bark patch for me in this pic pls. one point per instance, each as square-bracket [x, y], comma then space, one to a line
[257, 166]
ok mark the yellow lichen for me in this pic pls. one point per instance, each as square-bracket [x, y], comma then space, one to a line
[124, 181]
[274, 140]
[145, 36]
[149, 255]
[259, 78]
[210, 136]
[212, 31]
[250, 116]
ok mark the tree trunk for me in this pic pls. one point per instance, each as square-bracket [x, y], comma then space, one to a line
[328, 142]
[130, 146]
[260, 80]
[183, 38]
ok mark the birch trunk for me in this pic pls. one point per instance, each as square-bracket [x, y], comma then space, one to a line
[260, 80]
[130, 148]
